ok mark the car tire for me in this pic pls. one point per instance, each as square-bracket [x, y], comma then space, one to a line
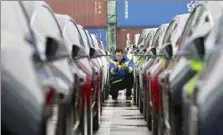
[175, 121]
[106, 92]
[155, 125]
[69, 119]
[84, 126]
[61, 127]
[141, 106]
[137, 95]
[161, 126]
[97, 117]
[90, 118]
[65, 120]
[145, 106]
[149, 119]
[134, 94]
[101, 103]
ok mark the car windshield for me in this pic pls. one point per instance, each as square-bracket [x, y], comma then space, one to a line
[140, 40]
[148, 40]
[95, 40]
[191, 24]
[13, 19]
[155, 40]
[90, 40]
[71, 32]
[44, 24]
[85, 40]
[168, 32]
[172, 34]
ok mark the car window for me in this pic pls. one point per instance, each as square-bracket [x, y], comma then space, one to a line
[71, 33]
[13, 19]
[44, 23]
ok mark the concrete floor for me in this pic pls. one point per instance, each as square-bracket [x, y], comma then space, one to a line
[121, 117]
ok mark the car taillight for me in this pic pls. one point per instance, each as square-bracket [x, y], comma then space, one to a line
[50, 95]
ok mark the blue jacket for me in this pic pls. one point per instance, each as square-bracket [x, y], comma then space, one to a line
[118, 74]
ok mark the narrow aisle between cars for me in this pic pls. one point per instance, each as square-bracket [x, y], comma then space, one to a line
[121, 117]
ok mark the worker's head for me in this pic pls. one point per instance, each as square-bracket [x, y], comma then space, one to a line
[119, 54]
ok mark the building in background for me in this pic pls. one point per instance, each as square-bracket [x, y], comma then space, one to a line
[116, 22]
[122, 35]
[90, 13]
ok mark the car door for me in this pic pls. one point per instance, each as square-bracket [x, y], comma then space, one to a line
[22, 100]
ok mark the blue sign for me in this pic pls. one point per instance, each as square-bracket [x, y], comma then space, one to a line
[136, 14]
[100, 33]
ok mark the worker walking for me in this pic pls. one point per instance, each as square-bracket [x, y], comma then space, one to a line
[121, 69]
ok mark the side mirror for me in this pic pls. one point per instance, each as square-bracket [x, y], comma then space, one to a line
[193, 49]
[153, 51]
[92, 52]
[134, 46]
[136, 51]
[142, 52]
[78, 52]
[141, 46]
[52, 46]
[127, 49]
[167, 51]
[107, 53]
[95, 52]
[75, 50]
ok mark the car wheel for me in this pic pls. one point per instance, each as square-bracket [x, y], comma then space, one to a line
[107, 91]
[97, 117]
[161, 126]
[141, 106]
[90, 118]
[61, 122]
[149, 119]
[69, 119]
[101, 103]
[176, 121]
[145, 103]
[155, 124]
[84, 125]
[134, 94]
[137, 94]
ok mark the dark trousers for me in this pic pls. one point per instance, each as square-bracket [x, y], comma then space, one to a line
[126, 83]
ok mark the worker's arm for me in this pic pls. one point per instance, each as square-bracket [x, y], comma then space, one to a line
[128, 66]
[114, 69]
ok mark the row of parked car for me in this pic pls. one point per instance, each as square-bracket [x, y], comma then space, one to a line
[54, 73]
[178, 73]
